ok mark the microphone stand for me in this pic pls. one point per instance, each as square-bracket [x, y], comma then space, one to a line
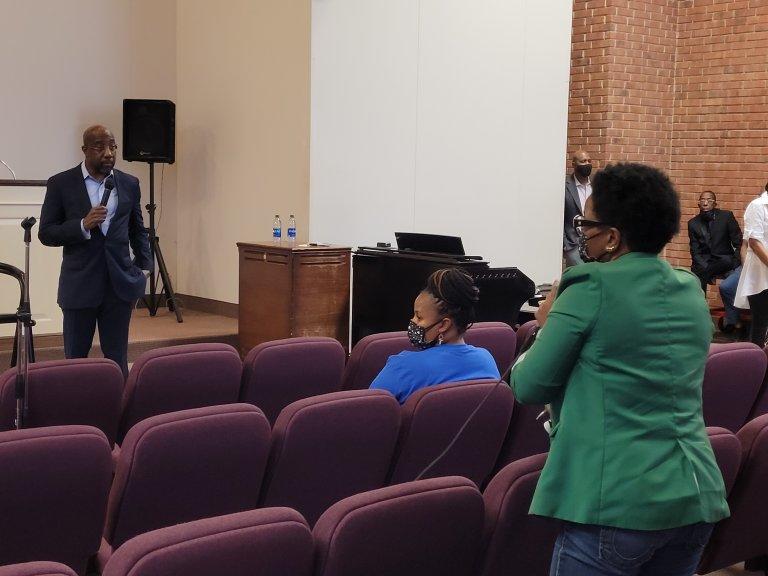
[23, 347]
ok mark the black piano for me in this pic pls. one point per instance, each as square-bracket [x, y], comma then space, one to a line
[385, 281]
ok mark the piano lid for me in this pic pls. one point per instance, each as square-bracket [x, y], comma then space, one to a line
[429, 243]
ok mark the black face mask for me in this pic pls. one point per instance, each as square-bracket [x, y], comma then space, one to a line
[418, 335]
[708, 215]
[584, 170]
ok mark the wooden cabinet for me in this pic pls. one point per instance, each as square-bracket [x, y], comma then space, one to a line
[292, 290]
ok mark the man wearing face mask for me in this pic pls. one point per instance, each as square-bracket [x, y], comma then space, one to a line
[577, 189]
[442, 313]
[715, 239]
[620, 359]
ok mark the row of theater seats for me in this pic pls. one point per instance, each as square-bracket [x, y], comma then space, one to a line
[435, 527]
[275, 374]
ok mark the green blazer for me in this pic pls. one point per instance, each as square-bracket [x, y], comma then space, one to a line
[621, 360]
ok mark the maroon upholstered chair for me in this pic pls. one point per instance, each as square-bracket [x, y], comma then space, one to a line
[37, 569]
[185, 466]
[53, 493]
[283, 371]
[727, 449]
[760, 406]
[523, 332]
[85, 391]
[426, 528]
[743, 536]
[431, 418]
[525, 436]
[179, 378]
[732, 380]
[513, 541]
[329, 447]
[267, 542]
[496, 337]
[370, 355]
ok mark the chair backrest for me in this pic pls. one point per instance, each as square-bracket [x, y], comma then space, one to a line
[743, 536]
[522, 334]
[732, 380]
[496, 337]
[369, 356]
[184, 466]
[53, 493]
[267, 542]
[85, 391]
[283, 371]
[329, 447]
[426, 528]
[727, 449]
[36, 569]
[525, 436]
[515, 542]
[179, 378]
[431, 418]
[761, 402]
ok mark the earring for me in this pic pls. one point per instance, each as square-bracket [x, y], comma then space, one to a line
[610, 248]
[439, 339]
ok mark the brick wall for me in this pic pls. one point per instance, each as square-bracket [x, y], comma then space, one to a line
[680, 84]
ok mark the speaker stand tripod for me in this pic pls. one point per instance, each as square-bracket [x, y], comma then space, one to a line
[152, 300]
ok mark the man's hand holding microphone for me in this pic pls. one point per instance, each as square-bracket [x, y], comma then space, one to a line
[95, 217]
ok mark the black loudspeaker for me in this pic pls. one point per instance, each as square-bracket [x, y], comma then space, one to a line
[149, 131]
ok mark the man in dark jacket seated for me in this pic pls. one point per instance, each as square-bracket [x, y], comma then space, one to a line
[715, 239]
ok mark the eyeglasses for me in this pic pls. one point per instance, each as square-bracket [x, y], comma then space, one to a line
[579, 223]
[103, 147]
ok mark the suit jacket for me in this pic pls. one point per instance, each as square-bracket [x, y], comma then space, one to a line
[85, 263]
[572, 208]
[621, 360]
[720, 241]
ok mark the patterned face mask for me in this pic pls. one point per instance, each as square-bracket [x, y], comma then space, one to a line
[418, 335]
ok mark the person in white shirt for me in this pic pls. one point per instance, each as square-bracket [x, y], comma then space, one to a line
[578, 188]
[752, 291]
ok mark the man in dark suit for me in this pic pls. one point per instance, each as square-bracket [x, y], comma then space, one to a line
[715, 240]
[99, 283]
[577, 189]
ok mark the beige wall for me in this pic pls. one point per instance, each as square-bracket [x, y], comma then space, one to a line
[242, 132]
[67, 65]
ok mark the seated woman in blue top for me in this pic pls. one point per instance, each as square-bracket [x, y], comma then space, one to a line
[442, 313]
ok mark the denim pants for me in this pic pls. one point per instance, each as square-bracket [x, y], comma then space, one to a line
[589, 550]
[728, 294]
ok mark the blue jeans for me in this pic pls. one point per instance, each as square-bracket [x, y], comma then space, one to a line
[728, 294]
[589, 550]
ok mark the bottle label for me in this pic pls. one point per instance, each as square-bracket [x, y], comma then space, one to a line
[291, 232]
[276, 233]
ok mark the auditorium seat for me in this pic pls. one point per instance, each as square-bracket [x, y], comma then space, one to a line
[496, 337]
[727, 449]
[513, 541]
[743, 536]
[522, 333]
[36, 569]
[184, 466]
[329, 447]
[84, 391]
[179, 378]
[431, 418]
[732, 380]
[282, 371]
[54, 483]
[369, 356]
[426, 528]
[267, 542]
[760, 406]
[525, 436]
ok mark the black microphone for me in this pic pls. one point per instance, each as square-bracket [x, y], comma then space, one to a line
[109, 184]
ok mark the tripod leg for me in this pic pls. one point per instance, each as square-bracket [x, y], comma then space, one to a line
[170, 295]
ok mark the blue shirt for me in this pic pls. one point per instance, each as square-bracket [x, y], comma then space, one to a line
[409, 371]
[95, 191]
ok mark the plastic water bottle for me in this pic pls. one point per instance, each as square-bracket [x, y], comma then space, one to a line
[277, 229]
[291, 229]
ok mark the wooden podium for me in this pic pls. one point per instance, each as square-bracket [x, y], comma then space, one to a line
[289, 290]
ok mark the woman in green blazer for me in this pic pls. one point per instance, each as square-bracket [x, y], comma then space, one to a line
[620, 360]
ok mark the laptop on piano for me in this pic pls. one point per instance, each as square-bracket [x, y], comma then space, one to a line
[433, 244]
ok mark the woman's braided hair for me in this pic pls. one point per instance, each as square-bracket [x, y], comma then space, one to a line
[456, 295]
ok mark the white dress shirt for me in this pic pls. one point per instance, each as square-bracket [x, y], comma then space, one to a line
[95, 191]
[754, 274]
[584, 190]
